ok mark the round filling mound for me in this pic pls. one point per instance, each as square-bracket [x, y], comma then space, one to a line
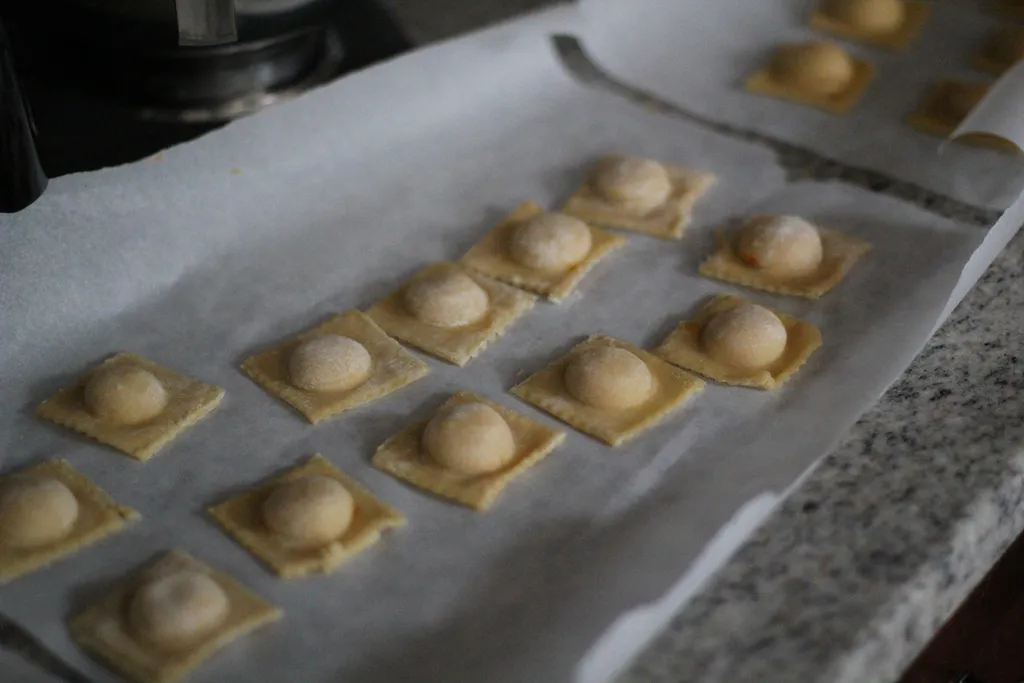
[878, 17]
[640, 184]
[125, 394]
[748, 337]
[173, 611]
[446, 298]
[609, 378]
[309, 512]
[471, 438]
[550, 242]
[784, 245]
[35, 511]
[329, 363]
[820, 68]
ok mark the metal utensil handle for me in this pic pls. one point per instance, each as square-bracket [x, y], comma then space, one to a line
[22, 178]
[206, 22]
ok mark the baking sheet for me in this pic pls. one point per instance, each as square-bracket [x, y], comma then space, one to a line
[697, 54]
[225, 245]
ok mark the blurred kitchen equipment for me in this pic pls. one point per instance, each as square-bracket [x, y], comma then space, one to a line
[91, 83]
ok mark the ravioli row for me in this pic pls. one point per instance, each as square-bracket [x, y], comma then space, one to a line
[164, 620]
[824, 75]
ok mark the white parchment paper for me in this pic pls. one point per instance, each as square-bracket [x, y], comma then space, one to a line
[225, 245]
[698, 53]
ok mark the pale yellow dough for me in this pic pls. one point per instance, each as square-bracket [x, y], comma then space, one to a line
[163, 621]
[471, 436]
[35, 511]
[642, 195]
[172, 612]
[496, 254]
[124, 395]
[47, 512]
[358, 364]
[322, 527]
[886, 23]
[634, 184]
[1002, 50]
[743, 349]
[747, 337]
[445, 298]
[646, 396]
[785, 246]
[131, 404]
[469, 312]
[550, 242]
[789, 253]
[817, 74]
[308, 512]
[609, 378]
[329, 362]
[946, 104]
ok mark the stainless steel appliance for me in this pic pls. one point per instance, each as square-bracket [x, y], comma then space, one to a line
[91, 83]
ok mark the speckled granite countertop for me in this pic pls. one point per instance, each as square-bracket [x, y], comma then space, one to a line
[858, 568]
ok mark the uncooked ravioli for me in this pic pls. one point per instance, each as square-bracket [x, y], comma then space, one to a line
[47, 512]
[638, 184]
[446, 298]
[468, 452]
[329, 362]
[471, 438]
[609, 389]
[35, 511]
[308, 512]
[125, 394]
[639, 194]
[540, 251]
[309, 519]
[817, 73]
[748, 337]
[173, 611]
[550, 242]
[609, 377]
[741, 343]
[450, 311]
[817, 68]
[871, 16]
[787, 246]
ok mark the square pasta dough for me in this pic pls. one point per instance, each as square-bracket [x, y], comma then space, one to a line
[916, 14]
[761, 82]
[840, 252]
[490, 256]
[944, 107]
[668, 221]
[98, 516]
[189, 400]
[546, 390]
[403, 456]
[683, 348]
[393, 368]
[457, 345]
[103, 629]
[240, 517]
